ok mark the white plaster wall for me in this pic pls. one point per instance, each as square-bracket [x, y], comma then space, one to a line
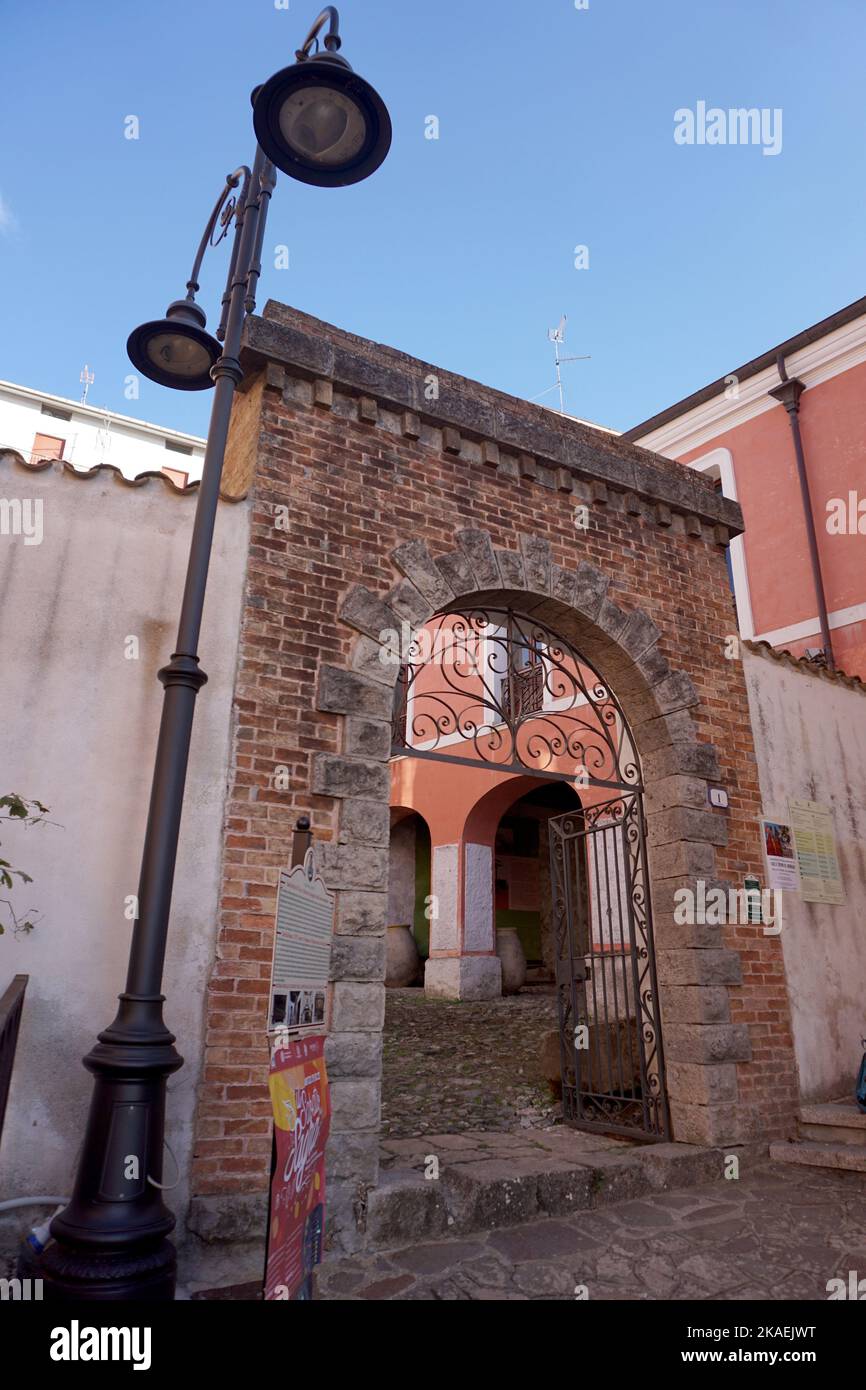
[79, 726]
[94, 436]
[810, 738]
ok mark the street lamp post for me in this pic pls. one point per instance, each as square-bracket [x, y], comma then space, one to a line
[319, 122]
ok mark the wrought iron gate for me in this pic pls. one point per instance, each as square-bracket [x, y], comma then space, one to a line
[613, 1076]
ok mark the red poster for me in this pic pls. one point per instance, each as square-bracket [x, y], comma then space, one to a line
[298, 1084]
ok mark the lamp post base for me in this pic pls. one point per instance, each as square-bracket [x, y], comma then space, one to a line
[77, 1276]
[111, 1241]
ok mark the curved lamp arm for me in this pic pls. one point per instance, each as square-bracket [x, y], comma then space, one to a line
[236, 210]
[333, 42]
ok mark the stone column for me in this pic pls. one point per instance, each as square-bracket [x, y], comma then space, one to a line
[463, 963]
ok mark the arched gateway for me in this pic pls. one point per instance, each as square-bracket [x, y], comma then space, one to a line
[382, 492]
[500, 690]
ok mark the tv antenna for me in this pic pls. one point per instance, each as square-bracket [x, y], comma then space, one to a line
[557, 337]
[87, 379]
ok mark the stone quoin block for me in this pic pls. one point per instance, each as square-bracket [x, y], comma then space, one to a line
[676, 692]
[478, 549]
[695, 1004]
[536, 563]
[700, 759]
[713, 1042]
[366, 612]
[706, 1124]
[611, 618]
[699, 967]
[510, 564]
[361, 914]
[688, 823]
[639, 633]
[371, 738]
[352, 1055]
[358, 958]
[355, 777]
[353, 866]
[357, 1008]
[416, 562]
[457, 571]
[684, 857]
[692, 1084]
[352, 1156]
[354, 1105]
[345, 692]
[365, 822]
[562, 585]
[590, 590]
[653, 666]
[376, 661]
[408, 604]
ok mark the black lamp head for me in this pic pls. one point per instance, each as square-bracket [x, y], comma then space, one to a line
[319, 122]
[175, 351]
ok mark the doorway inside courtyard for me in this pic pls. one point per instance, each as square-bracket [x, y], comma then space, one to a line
[520, 957]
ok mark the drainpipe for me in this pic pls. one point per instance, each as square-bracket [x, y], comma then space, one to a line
[789, 394]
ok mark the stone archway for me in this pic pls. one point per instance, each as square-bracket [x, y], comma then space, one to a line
[629, 649]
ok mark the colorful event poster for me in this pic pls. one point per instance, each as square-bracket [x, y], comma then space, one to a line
[781, 860]
[298, 1084]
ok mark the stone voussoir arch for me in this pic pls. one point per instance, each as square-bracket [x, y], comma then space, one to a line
[695, 971]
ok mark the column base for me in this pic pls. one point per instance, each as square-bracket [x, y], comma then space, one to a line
[463, 977]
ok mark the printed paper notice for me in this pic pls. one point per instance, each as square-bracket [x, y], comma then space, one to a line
[815, 845]
[780, 855]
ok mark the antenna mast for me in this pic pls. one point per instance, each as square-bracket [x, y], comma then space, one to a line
[557, 337]
[87, 379]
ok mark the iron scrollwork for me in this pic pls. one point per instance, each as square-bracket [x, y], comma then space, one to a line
[502, 688]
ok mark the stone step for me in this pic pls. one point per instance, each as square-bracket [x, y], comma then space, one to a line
[850, 1157]
[477, 1191]
[837, 1122]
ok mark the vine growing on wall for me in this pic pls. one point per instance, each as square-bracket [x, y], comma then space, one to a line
[25, 812]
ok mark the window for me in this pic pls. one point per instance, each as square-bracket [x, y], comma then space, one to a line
[175, 448]
[45, 446]
[56, 413]
[719, 489]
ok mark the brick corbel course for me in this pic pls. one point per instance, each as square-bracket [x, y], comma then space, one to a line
[287, 339]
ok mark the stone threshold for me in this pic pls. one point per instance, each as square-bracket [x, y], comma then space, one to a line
[445, 1185]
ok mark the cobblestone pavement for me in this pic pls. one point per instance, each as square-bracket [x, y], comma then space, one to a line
[449, 1066]
[778, 1232]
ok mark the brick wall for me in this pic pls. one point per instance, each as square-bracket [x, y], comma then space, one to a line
[365, 457]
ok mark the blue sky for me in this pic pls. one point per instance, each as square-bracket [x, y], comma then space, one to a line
[556, 130]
